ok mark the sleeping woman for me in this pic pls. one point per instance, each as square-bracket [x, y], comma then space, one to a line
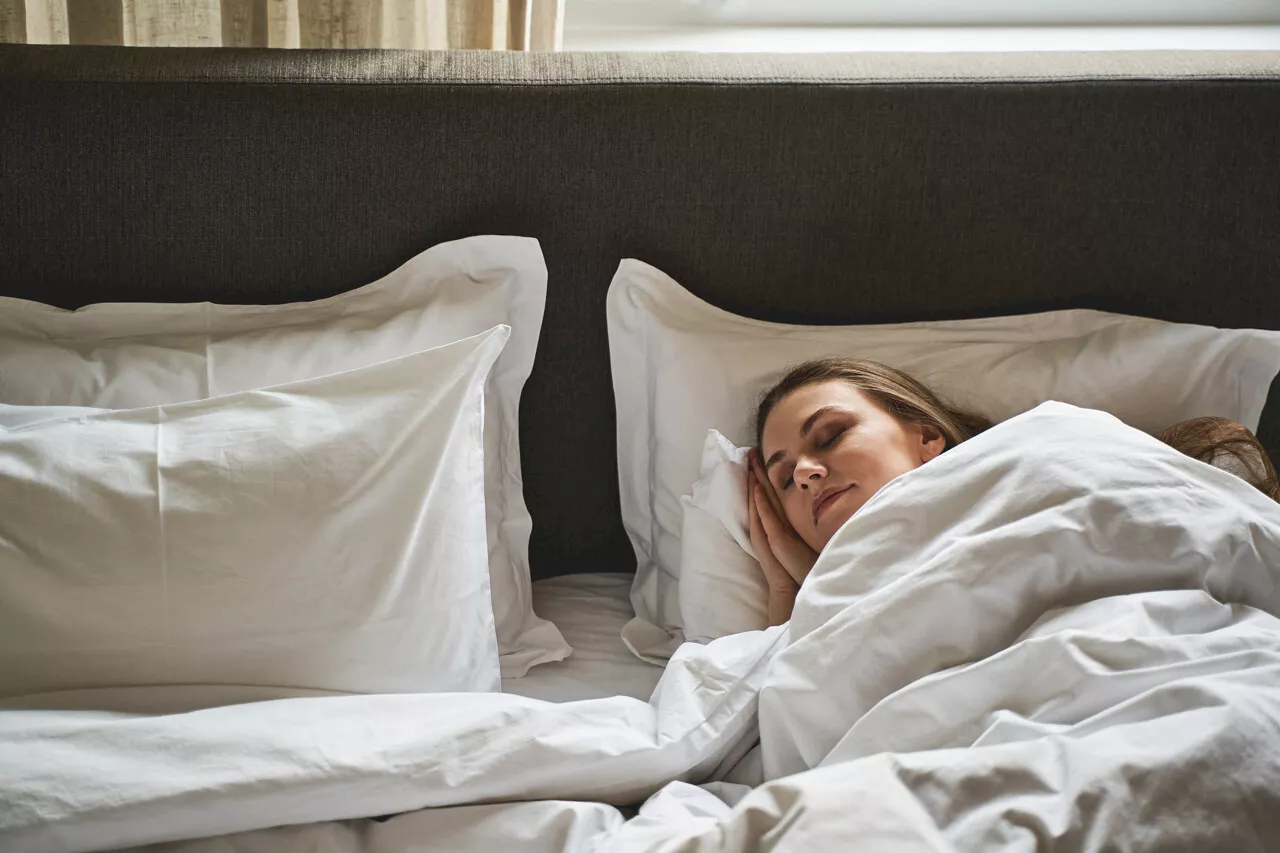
[834, 431]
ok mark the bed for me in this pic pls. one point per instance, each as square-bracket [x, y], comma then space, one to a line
[591, 610]
[973, 705]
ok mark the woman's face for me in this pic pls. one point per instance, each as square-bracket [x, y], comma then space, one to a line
[828, 448]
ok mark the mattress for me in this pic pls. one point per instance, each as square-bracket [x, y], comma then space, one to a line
[590, 610]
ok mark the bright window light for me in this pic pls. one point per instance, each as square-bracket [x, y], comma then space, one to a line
[666, 13]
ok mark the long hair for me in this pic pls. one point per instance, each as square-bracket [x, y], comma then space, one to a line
[907, 399]
[1219, 442]
[1227, 445]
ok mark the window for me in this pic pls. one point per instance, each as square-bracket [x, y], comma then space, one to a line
[985, 12]
[803, 25]
[669, 13]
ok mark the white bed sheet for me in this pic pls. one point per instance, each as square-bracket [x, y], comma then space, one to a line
[590, 610]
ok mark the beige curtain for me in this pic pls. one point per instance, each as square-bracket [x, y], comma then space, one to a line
[410, 24]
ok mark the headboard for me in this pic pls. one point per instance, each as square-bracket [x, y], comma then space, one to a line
[856, 188]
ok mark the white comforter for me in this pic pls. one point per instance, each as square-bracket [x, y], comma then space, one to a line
[1060, 635]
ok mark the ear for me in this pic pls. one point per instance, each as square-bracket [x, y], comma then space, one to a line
[932, 442]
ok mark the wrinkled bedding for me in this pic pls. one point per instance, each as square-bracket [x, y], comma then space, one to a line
[590, 610]
[1059, 635]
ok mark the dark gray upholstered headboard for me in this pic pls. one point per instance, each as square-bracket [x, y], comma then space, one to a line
[826, 189]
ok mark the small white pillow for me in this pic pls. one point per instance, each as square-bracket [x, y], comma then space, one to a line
[722, 588]
[128, 355]
[325, 534]
[681, 366]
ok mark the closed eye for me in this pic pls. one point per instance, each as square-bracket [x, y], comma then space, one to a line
[826, 442]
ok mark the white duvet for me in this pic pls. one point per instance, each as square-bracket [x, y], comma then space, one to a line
[1060, 635]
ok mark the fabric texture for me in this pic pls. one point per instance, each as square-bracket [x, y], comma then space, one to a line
[405, 24]
[325, 534]
[842, 189]
[1098, 637]
[722, 588]
[681, 365]
[1054, 484]
[128, 355]
[590, 610]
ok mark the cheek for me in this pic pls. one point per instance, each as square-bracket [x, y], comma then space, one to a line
[856, 462]
[874, 460]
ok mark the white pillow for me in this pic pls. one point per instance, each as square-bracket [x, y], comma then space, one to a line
[127, 355]
[722, 589]
[681, 366]
[324, 534]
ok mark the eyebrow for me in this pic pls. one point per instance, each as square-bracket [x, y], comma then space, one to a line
[804, 431]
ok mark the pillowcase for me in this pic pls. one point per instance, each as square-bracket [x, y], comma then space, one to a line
[722, 588]
[325, 534]
[129, 355]
[681, 366]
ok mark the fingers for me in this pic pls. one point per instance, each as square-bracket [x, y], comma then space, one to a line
[775, 574]
[759, 540]
[769, 519]
[759, 533]
[757, 467]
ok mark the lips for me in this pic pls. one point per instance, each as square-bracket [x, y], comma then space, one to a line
[826, 497]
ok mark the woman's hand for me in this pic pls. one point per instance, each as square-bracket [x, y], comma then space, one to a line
[783, 555]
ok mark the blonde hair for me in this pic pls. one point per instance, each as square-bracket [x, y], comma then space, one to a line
[902, 396]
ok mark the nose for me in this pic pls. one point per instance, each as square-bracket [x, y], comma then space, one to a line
[808, 472]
